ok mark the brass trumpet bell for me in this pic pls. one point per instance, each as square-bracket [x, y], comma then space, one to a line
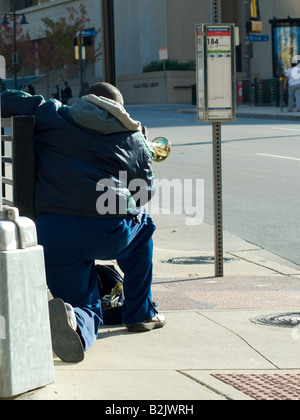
[162, 149]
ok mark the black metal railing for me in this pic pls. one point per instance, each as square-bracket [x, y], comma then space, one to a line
[18, 167]
[264, 92]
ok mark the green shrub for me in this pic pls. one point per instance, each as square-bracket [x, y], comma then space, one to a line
[170, 65]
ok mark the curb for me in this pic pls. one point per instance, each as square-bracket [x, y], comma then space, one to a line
[279, 116]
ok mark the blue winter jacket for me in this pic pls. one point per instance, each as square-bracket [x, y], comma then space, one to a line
[87, 162]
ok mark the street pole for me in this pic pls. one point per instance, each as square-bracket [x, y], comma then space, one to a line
[15, 56]
[2, 149]
[247, 54]
[215, 11]
[80, 39]
[108, 36]
[217, 171]
[218, 198]
[165, 81]
[15, 60]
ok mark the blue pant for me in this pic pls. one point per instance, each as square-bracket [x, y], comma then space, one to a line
[72, 244]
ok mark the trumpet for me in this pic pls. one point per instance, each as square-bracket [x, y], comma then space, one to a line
[162, 149]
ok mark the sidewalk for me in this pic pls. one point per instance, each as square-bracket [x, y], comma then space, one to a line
[267, 112]
[251, 111]
[208, 331]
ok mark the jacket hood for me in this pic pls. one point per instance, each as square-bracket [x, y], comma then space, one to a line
[102, 115]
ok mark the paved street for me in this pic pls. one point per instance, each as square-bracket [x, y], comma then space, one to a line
[261, 162]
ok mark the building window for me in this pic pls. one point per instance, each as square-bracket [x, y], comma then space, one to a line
[24, 4]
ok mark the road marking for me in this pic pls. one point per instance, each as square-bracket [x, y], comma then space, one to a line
[285, 129]
[278, 157]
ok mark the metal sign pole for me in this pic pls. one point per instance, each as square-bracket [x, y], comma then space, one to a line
[1, 187]
[163, 56]
[2, 76]
[218, 199]
[215, 11]
[217, 164]
[216, 95]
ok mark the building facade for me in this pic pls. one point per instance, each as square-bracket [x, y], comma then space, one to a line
[142, 27]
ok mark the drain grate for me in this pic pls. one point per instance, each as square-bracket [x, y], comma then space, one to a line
[265, 386]
[195, 260]
[289, 320]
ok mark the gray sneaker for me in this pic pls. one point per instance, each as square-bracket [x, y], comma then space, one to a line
[66, 343]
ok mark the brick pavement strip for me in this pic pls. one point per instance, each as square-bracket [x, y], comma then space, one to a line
[268, 387]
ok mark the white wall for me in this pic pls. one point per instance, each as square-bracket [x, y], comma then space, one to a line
[140, 27]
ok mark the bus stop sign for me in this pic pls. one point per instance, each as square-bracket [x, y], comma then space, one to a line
[216, 75]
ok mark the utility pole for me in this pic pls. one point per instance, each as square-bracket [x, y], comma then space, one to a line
[108, 36]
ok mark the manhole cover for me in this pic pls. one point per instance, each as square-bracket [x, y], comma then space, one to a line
[194, 260]
[265, 386]
[289, 320]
